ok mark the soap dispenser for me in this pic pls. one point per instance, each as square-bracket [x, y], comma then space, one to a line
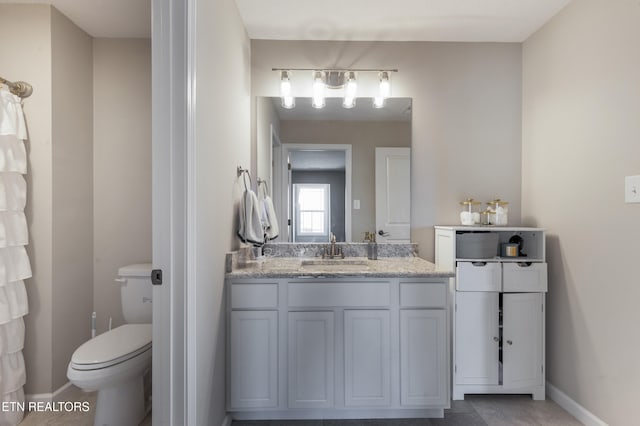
[372, 246]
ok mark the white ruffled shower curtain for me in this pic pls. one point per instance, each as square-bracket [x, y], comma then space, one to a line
[14, 262]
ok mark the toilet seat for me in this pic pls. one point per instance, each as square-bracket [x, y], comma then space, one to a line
[112, 347]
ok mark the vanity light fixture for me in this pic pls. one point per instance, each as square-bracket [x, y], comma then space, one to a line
[334, 79]
[350, 89]
[288, 101]
[318, 90]
[384, 89]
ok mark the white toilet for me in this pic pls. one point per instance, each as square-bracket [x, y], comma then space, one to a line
[114, 363]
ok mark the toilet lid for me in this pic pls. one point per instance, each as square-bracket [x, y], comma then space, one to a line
[112, 347]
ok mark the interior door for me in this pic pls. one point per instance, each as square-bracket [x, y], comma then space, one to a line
[393, 194]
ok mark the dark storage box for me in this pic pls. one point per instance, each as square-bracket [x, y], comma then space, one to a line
[477, 245]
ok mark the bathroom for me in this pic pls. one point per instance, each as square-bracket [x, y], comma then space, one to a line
[489, 120]
[89, 178]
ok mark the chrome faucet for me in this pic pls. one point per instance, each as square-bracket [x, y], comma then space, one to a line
[332, 251]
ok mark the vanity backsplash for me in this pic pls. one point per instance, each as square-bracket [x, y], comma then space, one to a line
[349, 249]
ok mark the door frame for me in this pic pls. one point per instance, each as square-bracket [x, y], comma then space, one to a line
[173, 120]
[284, 187]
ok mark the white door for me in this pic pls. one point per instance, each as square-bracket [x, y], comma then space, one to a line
[253, 359]
[423, 357]
[311, 352]
[476, 338]
[393, 194]
[367, 358]
[522, 339]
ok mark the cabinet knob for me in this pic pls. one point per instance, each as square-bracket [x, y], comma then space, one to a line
[509, 342]
[495, 339]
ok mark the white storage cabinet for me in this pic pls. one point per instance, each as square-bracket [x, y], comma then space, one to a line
[498, 313]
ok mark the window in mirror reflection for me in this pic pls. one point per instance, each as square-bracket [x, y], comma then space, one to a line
[312, 212]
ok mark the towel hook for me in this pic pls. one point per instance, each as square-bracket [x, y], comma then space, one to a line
[242, 172]
[266, 186]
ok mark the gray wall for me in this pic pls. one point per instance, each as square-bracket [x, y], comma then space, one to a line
[122, 167]
[223, 141]
[466, 129]
[55, 57]
[581, 110]
[335, 179]
[72, 209]
[30, 53]
[364, 137]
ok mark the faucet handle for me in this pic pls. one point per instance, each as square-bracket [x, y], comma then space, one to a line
[332, 237]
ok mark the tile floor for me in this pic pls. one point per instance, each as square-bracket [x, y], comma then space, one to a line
[476, 410]
[74, 418]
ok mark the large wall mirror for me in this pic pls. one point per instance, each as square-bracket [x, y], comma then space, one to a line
[335, 170]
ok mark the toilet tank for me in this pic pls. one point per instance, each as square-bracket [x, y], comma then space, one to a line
[135, 293]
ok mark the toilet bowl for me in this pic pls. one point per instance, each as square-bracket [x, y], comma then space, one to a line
[115, 362]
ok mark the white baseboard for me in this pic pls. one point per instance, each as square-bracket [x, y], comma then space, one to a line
[227, 420]
[572, 407]
[56, 396]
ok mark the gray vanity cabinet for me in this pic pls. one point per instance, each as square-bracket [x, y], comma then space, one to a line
[337, 348]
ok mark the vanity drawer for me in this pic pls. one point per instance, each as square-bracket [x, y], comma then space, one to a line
[423, 295]
[524, 277]
[254, 295]
[337, 294]
[478, 276]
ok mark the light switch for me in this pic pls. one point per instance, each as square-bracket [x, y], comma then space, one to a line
[356, 204]
[632, 189]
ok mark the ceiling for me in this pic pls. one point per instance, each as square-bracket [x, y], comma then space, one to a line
[399, 20]
[105, 18]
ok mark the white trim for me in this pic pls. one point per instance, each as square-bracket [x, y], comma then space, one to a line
[227, 420]
[56, 396]
[191, 294]
[572, 407]
[170, 81]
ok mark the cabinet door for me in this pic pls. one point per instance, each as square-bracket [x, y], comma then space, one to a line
[310, 362]
[522, 339]
[423, 364]
[253, 359]
[476, 338]
[367, 358]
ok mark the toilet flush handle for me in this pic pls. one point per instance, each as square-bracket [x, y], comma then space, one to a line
[120, 280]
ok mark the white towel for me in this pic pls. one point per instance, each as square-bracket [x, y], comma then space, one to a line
[250, 227]
[271, 230]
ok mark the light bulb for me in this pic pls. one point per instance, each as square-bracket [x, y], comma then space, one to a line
[318, 90]
[288, 101]
[350, 90]
[384, 89]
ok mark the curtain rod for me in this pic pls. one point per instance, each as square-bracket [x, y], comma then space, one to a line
[19, 88]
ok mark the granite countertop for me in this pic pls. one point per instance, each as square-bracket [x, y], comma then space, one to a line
[296, 267]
